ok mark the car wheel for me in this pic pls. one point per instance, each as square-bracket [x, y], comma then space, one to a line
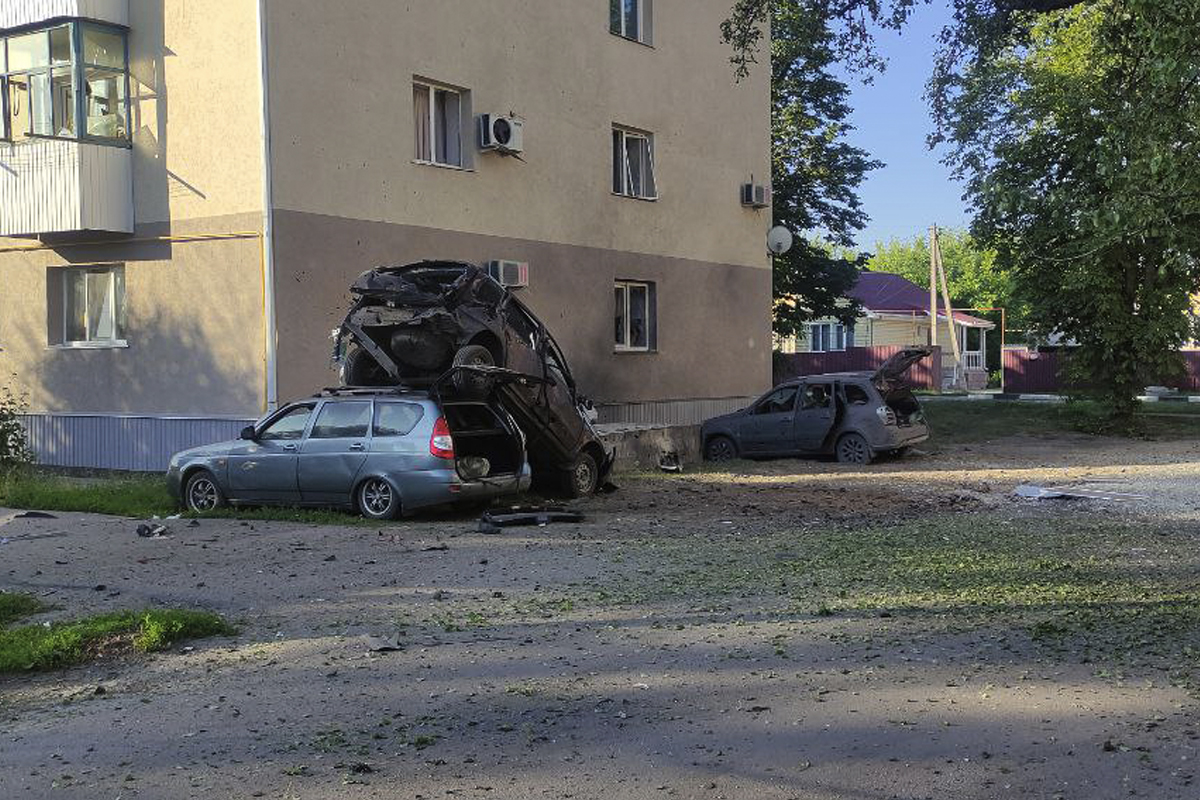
[582, 477]
[473, 355]
[202, 493]
[853, 449]
[720, 448]
[377, 499]
[361, 369]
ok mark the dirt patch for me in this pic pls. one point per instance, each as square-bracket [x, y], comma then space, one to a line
[784, 629]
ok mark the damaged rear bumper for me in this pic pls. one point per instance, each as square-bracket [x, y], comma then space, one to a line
[442, 487]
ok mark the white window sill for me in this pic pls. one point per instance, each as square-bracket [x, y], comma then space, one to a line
[653, 199]
[455, 167]
[625, 351]
[113, 344]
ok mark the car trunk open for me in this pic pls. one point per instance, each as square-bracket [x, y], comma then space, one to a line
[479, 432]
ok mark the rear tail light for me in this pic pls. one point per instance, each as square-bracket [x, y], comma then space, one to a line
[886, 415]
[441, 444]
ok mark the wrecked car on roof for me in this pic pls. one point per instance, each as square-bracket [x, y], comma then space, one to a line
[416, 324]
[851, 415]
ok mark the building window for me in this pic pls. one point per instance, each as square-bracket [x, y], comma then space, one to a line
[51, 79]
[635, 317]
[92, 304]
[633, 164]
[824, 337]
[437, 120]
[632, 19]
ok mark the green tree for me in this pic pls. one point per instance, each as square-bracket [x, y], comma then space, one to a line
[814, 171]
[1080, 135]
[973, 275]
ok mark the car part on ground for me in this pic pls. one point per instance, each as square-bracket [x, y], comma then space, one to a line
[416, 324]
[854, 416]
[382, 452]
[493, 520]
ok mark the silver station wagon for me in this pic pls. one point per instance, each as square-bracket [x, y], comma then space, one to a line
[381, 451]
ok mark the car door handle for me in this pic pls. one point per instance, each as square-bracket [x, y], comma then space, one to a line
[357, 446]
[289, 447]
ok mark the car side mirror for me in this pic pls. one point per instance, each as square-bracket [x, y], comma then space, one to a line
[247, 433]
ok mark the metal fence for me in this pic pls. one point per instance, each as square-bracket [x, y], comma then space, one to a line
[925, 374]
[1040, 371]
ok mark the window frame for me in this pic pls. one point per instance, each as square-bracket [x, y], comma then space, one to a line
[77, 67]
[625, 133]
[645, 22]
[837, 333]
[651, 316]
[433, 87]
[118, 302]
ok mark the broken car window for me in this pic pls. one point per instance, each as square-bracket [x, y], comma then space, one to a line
[856, 395]
[288, 427]
[816, 395]
[780, 401]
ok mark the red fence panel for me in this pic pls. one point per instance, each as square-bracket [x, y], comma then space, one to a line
[1033, 372]
[925, 374]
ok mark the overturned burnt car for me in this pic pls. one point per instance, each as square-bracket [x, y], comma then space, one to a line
[448, 326]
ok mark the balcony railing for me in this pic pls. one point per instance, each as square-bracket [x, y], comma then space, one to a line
[65, 186]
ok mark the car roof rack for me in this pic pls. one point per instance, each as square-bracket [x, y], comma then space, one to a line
[338, 391]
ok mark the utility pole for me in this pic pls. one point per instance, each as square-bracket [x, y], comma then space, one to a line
[940, 270]
[932, 286]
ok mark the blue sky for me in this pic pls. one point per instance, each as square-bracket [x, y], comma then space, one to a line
[913, 191]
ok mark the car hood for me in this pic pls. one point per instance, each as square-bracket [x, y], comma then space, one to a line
[724, 418]
[206, 450]
[428, 283]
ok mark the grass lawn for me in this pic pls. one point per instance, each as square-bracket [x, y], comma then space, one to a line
[62, 644]
[963, 421]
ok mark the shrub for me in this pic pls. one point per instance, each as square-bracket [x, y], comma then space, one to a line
[14, 446]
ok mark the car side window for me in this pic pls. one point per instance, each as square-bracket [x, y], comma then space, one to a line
[396, 419]
[780, 401]
[816, 395]
[342, 421]
[856, 395]
[288, 427]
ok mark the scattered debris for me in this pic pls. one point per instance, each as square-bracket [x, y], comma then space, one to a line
[493, 521]
[151, 531]
[1033, 492]
[669, 462]
[384, 644]
[34, 515]
[435, 547]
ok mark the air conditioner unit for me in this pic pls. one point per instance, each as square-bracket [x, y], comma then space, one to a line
[503, 133]
[513, 274]
[756, 195]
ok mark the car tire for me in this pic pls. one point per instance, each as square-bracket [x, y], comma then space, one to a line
[473, 355]
[201, 493]
[376, 498]
[720, 448]
[359, 368]
[583, 477]
[853, 449]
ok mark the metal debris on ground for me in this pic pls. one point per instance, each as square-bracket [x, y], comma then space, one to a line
[384, 644]
[1033, 492]
[34, 515]
[151, 531]
[493, 521]
[669, 462]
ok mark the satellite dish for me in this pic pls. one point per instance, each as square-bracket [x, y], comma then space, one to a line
[779, 240]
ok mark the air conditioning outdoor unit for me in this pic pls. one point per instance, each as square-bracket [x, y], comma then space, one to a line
[513, 274]
[502, 133]
[756, 195]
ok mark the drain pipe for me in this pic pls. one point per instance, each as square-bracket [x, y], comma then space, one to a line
[271, 389]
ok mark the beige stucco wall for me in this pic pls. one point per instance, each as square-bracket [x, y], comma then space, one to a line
[343, 129]
[194, 308]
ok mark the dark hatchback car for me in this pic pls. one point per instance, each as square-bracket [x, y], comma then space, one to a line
[415, 324]
[852, 415]
[382, 452]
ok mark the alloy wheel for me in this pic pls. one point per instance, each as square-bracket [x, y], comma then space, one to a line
[377, 497]
[202, 495]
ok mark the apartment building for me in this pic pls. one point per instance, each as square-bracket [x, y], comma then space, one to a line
[187, 188]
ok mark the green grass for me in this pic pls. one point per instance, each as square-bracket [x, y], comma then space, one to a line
[18, 606]
[63, 644]
[967, 421]
[135, 496]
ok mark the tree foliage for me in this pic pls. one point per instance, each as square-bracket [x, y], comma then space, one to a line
[1080, 136]
[973, 275]
[815, 172]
